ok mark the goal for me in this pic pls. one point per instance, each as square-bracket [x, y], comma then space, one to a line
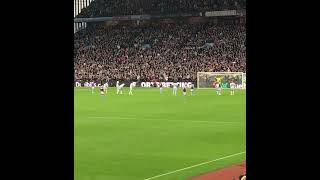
[205, 80]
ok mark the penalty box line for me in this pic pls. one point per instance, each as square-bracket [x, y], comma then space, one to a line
[225, 157]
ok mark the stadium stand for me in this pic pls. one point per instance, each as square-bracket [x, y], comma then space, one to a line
[102, 8]
[157, 51]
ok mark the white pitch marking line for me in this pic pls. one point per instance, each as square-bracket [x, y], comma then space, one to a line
[223, 122]
[225, 157]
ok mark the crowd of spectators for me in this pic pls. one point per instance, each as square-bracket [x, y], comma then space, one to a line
[101, 8]
[158, 52]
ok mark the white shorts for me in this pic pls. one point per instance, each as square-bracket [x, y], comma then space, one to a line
[102, 93]
[184, 93]
[191, 90]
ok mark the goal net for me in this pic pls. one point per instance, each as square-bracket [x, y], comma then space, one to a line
[206, 80]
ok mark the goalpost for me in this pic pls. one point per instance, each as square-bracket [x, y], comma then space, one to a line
[244, 81]
[205, 80]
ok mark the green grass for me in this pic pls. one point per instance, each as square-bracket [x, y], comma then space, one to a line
[121, 137]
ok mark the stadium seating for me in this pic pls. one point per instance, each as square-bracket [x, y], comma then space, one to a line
[101, 8]
[158, 52]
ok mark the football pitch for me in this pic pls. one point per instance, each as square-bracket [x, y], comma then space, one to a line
[156, 136]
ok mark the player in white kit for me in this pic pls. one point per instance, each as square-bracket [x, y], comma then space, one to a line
[232, 87]
[191, 89]
[119, 87]
[101, 90]
[161, 88]
[132, 85]
[218, 88]
[105, 87]
[175, 88]
[92, 89]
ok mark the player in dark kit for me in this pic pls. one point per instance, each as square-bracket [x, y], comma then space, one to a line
[184, 91]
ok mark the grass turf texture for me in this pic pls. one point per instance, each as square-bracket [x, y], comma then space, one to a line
[122, 137]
